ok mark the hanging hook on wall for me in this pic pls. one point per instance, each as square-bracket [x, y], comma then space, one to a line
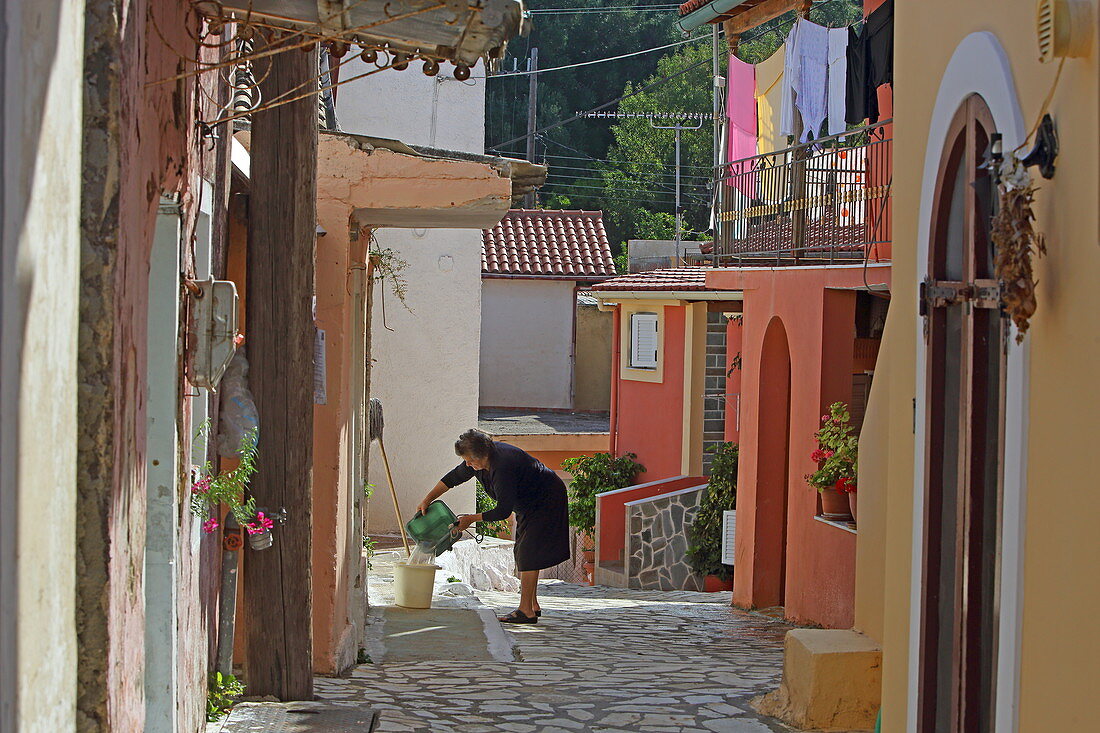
[1045, 151]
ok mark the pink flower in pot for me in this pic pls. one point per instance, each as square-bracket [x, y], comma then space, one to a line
[261, 525]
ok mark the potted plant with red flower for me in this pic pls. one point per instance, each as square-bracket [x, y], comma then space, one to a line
[836, 457]
[228, 487]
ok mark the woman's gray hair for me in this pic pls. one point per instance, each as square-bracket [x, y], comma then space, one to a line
[474, 443]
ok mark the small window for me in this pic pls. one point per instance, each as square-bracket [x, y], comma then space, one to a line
[643, 340]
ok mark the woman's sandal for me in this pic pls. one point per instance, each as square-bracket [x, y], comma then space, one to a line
[519, 617]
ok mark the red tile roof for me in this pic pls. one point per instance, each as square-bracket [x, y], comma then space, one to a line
[552, 244]
[679, 278]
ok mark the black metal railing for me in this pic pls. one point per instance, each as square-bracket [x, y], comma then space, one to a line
[823, 202]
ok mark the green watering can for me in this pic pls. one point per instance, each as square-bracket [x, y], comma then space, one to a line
[433, 530]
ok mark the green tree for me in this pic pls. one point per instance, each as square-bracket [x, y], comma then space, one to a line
[643, 159]
[592, 163]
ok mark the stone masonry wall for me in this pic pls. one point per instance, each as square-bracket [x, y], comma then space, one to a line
[714, 403]
[657, 542]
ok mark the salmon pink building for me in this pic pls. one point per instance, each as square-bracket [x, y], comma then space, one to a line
[780, 319]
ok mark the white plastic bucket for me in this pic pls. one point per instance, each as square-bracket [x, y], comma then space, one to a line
[413, 585]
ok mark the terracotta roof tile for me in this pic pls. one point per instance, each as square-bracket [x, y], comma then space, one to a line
[680, 278]
[548, 243]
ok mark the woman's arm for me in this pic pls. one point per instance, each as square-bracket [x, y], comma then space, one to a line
[439, 490]
[457, 475]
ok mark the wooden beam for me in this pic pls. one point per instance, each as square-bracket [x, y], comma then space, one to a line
[762, 13]
[281, 244]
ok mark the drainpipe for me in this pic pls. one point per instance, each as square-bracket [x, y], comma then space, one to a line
[616, 356]
[227, 613]
[702, 16]
[573, 351]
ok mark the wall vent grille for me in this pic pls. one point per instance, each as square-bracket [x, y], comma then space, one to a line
[1063, 28]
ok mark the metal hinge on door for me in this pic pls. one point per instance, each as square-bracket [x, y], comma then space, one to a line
[942, 293]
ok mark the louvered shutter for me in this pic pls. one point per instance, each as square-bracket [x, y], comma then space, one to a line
[643, 340]
[729, 534]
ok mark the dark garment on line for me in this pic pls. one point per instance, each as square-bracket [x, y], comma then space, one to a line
[520, 483]
[870, 65]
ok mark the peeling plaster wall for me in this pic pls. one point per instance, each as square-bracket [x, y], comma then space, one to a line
[124, 170]
[38, 390]
[425, 369]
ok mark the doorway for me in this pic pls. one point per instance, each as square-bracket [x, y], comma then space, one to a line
[964, 450]
[773, 472]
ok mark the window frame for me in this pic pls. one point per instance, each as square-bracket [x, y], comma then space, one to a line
[635, 320]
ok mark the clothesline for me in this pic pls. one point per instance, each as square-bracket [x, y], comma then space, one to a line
[829, 74]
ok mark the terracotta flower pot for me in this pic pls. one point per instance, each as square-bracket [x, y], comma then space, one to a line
[589, 555]
[589, 570]
[834, 505]
[713, 584]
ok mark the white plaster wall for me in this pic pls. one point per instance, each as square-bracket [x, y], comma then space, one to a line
[425, 370]
[527, 343]
[437, 111]
[39, 282]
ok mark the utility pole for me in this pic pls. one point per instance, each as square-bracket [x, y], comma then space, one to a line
[532, 108]
[677, 128]
[282, 238]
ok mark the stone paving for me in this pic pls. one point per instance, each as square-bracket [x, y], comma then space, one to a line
[601, 659]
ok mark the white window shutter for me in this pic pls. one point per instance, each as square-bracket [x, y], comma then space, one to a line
[729, 529]
[643, 340]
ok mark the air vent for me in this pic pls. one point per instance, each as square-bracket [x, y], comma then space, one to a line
[1063, 28]
[729, 534]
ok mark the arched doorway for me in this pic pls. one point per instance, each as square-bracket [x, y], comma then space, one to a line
[964, 448]
[770, 571]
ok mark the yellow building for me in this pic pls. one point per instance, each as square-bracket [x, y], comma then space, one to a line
[978, 550]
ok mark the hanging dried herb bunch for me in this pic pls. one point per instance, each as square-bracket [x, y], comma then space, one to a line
[1015, 241]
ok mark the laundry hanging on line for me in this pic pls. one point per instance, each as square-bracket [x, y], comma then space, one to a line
[769, 89]
[809, 81]
[870, 64]
[741, 111]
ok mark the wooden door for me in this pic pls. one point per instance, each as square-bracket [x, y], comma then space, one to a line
[965, 336]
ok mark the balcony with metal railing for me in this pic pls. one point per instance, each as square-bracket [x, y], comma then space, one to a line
[826, 202]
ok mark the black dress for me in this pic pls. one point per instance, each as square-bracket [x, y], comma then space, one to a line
[521, 484]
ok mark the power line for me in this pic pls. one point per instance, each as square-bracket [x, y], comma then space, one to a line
[612, 193]
[652, 84]
[595, 61]
[622, 9]
[630, 162]
[605, 105]
[591, 169]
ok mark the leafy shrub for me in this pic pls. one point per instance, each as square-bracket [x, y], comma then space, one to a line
[593, 475]
[705, 537]
[484, 503]
[221, 689]
[837, 452]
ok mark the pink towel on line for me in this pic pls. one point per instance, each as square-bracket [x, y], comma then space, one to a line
[741, 111]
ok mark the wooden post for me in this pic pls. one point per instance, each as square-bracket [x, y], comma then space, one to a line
[281, 244]
[798, 192]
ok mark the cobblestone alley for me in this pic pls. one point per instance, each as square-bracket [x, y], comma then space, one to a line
[600, 659]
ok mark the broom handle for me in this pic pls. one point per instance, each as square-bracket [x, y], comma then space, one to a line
[393, 493]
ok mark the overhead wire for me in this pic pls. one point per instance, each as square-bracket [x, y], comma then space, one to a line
[650, 85]
[595, 61]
